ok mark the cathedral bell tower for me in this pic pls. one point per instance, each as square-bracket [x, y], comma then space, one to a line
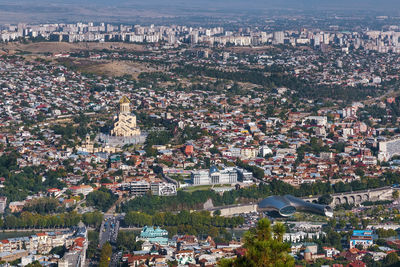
[124, 105]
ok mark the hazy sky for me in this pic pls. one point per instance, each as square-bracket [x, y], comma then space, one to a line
[53, 10]
[306, 4]
[362, 4]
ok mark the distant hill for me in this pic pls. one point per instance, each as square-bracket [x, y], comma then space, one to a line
[228, 4]
[121, 10]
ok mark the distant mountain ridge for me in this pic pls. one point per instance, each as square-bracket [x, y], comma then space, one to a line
[12, 11]
[187, 4]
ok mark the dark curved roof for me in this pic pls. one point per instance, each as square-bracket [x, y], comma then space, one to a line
[276, 203]
[213, 169]
[287, 205]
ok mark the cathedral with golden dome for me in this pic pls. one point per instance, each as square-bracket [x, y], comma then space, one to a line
[125, 121]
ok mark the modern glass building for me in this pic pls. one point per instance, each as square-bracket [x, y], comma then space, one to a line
[287, 205]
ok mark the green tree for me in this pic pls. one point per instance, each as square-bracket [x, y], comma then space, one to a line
[92, 218]
[34, 264]
[332, 223]
[264, 248]
[392, 259]
[365, 223]
[93, 237]
[325, 199]
[126, 241]
[334, 239]
[42, 205]
[105, 255]
[342, 223]
[60, 251]
[395, 194]
[102, 199]
[354, 221]
[217, 212]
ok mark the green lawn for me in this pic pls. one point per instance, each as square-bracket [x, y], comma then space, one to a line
[197, 188]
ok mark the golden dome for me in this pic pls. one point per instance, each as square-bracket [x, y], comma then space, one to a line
[124, 100]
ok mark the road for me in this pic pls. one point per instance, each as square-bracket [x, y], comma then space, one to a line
[115, 258]
[109, 233]
[109, 230]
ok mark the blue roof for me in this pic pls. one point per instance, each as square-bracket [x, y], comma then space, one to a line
[362, 233]
[151, 232]
[213, 169]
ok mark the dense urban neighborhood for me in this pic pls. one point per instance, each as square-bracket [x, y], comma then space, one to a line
[129, 145]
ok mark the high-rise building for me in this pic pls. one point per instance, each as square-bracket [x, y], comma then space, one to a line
[326, 38]
[317, 39]
[3, 204]
[194, 37]
[279, 37]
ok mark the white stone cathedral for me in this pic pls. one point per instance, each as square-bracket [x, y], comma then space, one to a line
[125, 121]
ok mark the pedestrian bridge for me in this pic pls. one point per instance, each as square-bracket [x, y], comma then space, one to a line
[358, 197]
